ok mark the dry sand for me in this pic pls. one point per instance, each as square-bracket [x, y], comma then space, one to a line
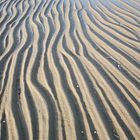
[69, 69]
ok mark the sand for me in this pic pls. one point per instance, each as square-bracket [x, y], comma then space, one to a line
[69, 69]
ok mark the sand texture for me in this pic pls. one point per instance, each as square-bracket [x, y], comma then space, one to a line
[70, 69]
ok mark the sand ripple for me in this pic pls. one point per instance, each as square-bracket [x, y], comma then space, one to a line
[69, 69]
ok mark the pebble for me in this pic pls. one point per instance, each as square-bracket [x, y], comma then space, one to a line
[4, 121]
[82, 132]
[119, 66]
[116, 136]
[77, 86]
[95, 132]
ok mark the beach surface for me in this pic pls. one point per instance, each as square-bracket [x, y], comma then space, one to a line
[69, 69]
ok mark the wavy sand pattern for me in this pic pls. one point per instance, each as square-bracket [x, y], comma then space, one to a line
[69, 69]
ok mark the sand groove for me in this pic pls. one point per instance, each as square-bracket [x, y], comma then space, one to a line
[69, 69]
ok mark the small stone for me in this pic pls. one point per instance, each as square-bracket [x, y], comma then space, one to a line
[4, 121]
[82, 132]
[77, 86]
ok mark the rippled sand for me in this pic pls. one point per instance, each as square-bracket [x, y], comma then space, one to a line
[69, 69]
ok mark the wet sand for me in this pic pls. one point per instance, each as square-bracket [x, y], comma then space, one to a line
[69, 69]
